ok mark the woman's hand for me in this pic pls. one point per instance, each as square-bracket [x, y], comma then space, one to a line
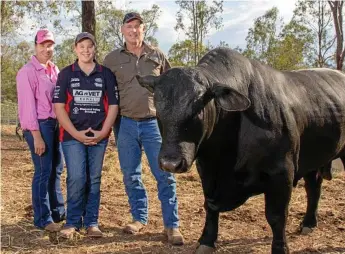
[40, 146]
[98, 135]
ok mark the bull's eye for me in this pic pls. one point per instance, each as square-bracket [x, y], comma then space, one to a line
[201, 115]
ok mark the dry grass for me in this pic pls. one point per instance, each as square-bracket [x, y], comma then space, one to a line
[243, 230]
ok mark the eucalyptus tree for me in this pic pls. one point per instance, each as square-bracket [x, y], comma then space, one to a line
[196, 18]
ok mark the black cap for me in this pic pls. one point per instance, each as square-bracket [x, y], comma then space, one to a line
[85, 35]
[131, 16]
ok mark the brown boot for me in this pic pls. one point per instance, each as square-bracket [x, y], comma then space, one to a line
[94, 232]
[52, 227]
[67, 232]
[174, 236]
[133, 227]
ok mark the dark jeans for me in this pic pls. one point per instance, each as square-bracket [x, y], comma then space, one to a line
[47, 199]
[84, 170]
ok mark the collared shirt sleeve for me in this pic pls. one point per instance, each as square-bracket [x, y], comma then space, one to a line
[26, 87]
[107, 60]
[111, 87]
[166, 65]
[61, 88]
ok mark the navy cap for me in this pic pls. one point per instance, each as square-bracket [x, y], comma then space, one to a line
[131, 16]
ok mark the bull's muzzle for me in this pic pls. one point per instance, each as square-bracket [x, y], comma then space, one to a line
[178, 165]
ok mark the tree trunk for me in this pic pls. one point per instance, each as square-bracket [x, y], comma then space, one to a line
[195, 31]
[337, 9]
[88, 17]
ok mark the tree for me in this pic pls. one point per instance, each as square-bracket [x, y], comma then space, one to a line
[316, 16]
[202, 18]
[14, 53]
[281, 46]
[64, 55]
[109, 34]
[337, 12]
[13, 59]
[262, 38]
[291, 48]
[88, 17]
[181, 53]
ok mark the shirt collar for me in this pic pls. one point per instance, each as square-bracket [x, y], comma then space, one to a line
[38, 66]
[147, 48]
[76, 67]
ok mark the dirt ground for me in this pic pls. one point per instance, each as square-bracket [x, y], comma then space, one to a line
[243, 230]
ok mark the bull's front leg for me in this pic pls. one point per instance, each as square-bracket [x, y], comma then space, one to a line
[210, 232]
[277, 198]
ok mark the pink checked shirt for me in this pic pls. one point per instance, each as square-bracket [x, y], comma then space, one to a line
[35, 88]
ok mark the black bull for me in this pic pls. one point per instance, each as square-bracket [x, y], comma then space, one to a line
[252, 130]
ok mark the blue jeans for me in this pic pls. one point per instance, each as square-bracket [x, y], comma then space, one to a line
[131, 136]
[84, 169]
[47, 199]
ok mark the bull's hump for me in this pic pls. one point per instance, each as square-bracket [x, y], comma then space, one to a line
[221, 56]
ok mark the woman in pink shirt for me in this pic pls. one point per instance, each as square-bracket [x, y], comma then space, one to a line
[35, 87]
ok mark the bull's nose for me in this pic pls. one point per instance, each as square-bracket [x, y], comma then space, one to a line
[173, 166]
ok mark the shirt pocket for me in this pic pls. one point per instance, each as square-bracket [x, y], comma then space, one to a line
[124, 70]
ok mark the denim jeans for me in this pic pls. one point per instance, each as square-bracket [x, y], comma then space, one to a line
[131, 136]
[84, 169]
[47, 199]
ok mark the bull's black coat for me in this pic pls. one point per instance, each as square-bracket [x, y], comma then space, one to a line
[252, 130]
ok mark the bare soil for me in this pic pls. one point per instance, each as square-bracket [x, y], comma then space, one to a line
[243, 230]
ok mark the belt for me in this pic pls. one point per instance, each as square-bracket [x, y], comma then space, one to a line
[140, 119]
[49, 118]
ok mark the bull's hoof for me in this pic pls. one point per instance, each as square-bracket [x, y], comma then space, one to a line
[306, 230]
[203, 249]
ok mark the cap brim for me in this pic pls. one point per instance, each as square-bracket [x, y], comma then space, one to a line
[129, 20]
[85, 38]
[40, 42]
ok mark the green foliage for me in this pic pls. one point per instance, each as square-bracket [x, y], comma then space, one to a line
[12, 59]
[64, 53]
[202, 17]
[262, 38]
[284, 47]
[317, 18]
[182, 53]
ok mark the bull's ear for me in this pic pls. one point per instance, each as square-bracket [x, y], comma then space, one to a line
[229, 99]
[148, 81]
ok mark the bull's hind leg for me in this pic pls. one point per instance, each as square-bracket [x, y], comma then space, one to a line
[313, 182]
[277, 198]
